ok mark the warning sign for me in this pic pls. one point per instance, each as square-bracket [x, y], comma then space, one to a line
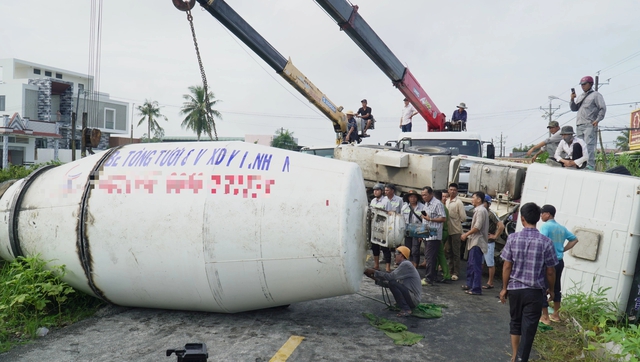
[634, 134]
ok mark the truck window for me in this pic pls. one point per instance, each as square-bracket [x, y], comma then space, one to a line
[322, 152]
[457, 147]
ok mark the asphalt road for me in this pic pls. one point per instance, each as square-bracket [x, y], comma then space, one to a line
[473, 328]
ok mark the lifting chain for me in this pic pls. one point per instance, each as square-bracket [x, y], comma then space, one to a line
[202, 73]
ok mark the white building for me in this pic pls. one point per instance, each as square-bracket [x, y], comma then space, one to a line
[46, 97]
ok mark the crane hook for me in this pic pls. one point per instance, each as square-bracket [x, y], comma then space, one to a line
[184, 5]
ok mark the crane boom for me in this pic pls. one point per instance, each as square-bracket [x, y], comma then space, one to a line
[220, 10]
[347, 17]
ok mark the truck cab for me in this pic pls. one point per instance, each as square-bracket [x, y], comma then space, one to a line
[459, 143]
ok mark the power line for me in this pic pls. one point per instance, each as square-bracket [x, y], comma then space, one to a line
[619, 62]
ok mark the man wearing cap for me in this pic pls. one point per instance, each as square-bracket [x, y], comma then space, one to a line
[558, 235]
[365, 113]
[591, 110]
[551, 143]
[411, 212]
[352, 129]
[404, 282]
[433, 217]
[407, 115]
[496, 227]
[380, 202]
[575, 149]
[459, 118]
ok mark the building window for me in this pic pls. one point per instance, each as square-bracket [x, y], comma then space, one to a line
[2, 103]
[36, 71]
[58, 75]
[47, 73]
[41, 143]
[109, 118]
[80, 87]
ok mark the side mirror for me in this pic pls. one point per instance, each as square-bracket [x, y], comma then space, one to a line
[491, 151]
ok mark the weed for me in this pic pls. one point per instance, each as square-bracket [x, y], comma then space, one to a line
[32, 296]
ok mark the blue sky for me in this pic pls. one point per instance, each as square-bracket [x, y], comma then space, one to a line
[502, 58]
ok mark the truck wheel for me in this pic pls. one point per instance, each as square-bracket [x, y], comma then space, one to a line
[428, 150]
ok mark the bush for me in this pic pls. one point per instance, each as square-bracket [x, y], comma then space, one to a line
[32, 296]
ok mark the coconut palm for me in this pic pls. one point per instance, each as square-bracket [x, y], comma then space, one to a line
[622, 142]
[150, 112]
[198, 118]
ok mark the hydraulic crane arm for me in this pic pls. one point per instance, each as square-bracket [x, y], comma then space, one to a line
[347, 17]
[285, 68]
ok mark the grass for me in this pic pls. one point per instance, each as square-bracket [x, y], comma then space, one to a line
[32, 296]
[601, 323]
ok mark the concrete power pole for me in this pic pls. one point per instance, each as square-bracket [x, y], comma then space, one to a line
[503, 140]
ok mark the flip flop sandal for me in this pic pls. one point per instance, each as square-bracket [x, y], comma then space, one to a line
[554, 319]
[487, 286]
[472, 293]
[465, 287]
[403, 314]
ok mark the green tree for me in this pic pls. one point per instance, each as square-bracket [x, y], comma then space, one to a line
[150, 112]
[523, 149]
[158, 135]
[198, 118]
[622, 142]
[284, 139]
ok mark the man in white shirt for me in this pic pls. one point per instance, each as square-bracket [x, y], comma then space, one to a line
[394, 200]
[574, 148]
[407, 115]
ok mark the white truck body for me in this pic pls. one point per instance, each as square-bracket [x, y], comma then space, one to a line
[602, 210]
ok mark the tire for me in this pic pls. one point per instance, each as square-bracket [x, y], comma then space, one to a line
[428, 150]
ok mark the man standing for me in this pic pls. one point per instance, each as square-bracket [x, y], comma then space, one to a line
[459, 118]
[551, 143]
[591, 110]
[496, 227]
[574, 148]
[411, 212]
[382, 203]
[394, 200]
[365, 113]
[433, 216]
[441, 260]
[407, 115]
[477, 244]
[352, 129]
[404, 282]
[528, 256]
[558, 234]
[457, 215]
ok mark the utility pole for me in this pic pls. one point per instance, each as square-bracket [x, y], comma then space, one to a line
[551, 110]
[503, 140]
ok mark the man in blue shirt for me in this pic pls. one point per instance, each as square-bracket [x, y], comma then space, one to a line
[459, 118]
[558, 234]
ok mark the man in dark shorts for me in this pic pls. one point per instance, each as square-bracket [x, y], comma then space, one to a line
[365, 113]
[528, 257]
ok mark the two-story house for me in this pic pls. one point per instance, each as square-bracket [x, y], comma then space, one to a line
[46, 97]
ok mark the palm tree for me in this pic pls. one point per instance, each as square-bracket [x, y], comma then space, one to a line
[198, 118]
[622, 142]
[150, 112]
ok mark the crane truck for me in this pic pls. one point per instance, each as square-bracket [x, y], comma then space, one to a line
[228, 17]
[602, 209]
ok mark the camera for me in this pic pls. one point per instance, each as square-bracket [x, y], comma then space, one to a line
[192, 352]
[573, 90]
